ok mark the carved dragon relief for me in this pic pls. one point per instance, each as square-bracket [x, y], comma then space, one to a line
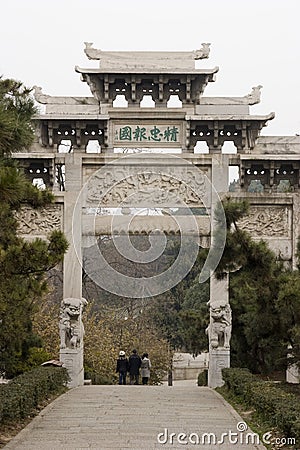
[147, 187]
[39, 221]
[270, 221]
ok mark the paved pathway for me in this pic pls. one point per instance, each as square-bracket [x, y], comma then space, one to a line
[135, 418]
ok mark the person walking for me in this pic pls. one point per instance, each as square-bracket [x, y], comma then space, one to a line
[122, 367]
[134, 367]
[145, 368]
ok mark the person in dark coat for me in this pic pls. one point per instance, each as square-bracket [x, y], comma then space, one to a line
[134, 367]
[122, 367]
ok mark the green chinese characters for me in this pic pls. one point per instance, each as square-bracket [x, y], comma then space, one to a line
[142, 134]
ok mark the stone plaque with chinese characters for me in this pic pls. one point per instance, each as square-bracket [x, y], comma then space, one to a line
[140, 134]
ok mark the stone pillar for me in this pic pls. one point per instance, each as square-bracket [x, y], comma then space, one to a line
[72, 283]
[295, 228]
[219, 330]
[71, 352]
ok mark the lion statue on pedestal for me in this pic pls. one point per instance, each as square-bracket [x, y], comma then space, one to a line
[71, 328]
[219, 329]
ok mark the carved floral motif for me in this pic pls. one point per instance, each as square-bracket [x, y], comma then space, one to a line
[39, 221]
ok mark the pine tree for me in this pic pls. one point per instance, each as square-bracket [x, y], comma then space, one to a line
[254, 284]
[23, 264]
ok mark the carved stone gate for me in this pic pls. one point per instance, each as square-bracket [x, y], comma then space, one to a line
[111, 156]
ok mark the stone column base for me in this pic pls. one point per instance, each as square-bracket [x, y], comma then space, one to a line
[219, 359]
[72, 360]
[293, 374]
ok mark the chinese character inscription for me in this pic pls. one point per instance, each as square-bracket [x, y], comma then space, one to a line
[148, 134]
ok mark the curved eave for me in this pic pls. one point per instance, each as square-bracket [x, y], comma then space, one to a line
[147, 71]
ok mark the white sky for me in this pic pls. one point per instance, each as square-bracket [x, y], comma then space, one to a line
[252, 41]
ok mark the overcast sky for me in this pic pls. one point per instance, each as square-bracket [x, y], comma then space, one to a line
[252, 41]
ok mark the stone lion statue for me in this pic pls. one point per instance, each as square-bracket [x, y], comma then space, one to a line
[71, 328]
[219, 329]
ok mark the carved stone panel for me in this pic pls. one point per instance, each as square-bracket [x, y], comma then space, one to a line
[267, 221]
[150, 187]
[40, 221]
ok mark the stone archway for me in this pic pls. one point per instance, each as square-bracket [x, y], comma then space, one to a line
[83, 181]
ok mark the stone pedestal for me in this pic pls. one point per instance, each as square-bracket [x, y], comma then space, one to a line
[293, 374]
[72, 360]
[219, 359]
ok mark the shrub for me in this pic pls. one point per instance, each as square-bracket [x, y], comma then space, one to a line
[22, 395]
[97, 378]
[203, 378]
[237, 380]
[279, 408]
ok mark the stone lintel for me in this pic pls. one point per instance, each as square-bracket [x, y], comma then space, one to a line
[73, 116]
[101, 225]
[149, 159]
[231, 117]
[35, 155]
[266, 199]
[253, 156]
[142, 114]
[210, 110]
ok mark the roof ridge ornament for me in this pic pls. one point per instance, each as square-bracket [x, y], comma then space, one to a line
[250, 99]
[203, 52]
[148, 60]
[46, 99]
[254, 96]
